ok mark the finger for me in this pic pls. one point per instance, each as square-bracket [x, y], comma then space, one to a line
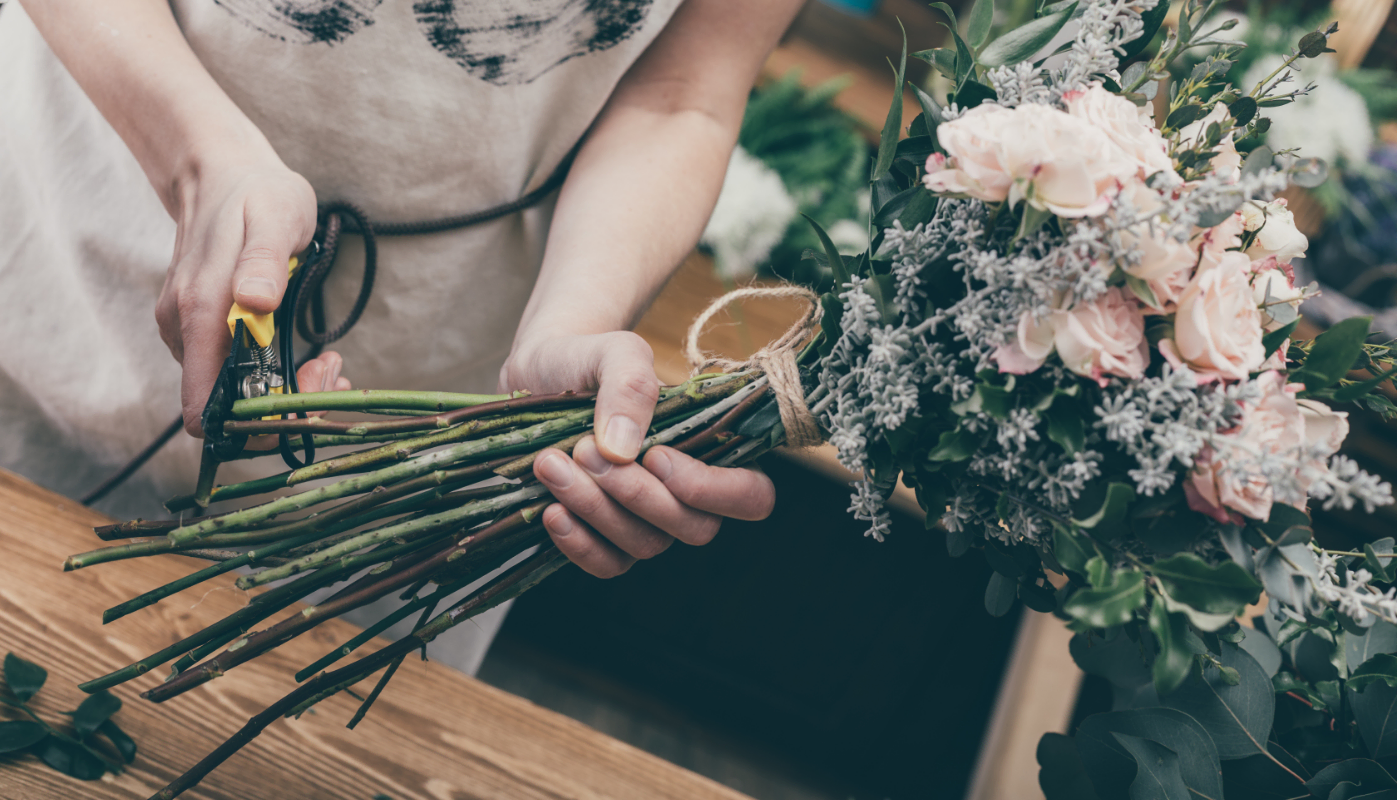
[271, 236]
[204, 341]
[627, 392]
[590, 551]
[743, 493]
[638, 491]
[580, 495]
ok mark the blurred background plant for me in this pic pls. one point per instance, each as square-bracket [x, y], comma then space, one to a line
[1347, 120]
[797, 154]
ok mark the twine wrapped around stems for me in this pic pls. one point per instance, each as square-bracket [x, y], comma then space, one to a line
[777, 359]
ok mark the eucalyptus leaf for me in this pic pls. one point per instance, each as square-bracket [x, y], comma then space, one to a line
[94, 710]
[1062, 774]
[1113, 769]
[1000, 595]
[1273, 340]
[71, 759]
[889, 136]
[1378, 668]
[1365, 775]
[933, 113]
[840, 273]
[1374, 710]
[1113, 509]
[1309, 173]
[979, 22]
[1112, 605]
[25, 678]
[1334, 351]
[1205, 621]
[1224, 588]
[1259, 159]
[1262, 649]
[1378, 639]
[1023, 42]
[20, 734]
[1158, 770]
[123, 743]
[1174, 656]
[1238, 717]
[1073, 550]
[1118, 660]
[1151, 22]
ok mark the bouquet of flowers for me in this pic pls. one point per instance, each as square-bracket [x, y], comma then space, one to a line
[1070, 336]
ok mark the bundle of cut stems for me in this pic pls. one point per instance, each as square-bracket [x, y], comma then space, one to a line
[440, 501]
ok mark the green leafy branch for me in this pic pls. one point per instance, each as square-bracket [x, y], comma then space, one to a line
[74, 754]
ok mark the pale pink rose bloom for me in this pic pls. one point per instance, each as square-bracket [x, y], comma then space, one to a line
[1277, 424]
[1227, 159]
[1123, 122]
[1278, 236]
[1217, 332]
[1166, 264]
[1216, 242]
[1103, 338]
[973, 166]
[1034, 342]
[1055, 161]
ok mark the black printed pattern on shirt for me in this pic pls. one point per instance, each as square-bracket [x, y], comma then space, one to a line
[304, 21]
[516, 41]
[503, 42]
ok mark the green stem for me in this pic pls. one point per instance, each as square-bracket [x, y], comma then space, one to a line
[358, 400]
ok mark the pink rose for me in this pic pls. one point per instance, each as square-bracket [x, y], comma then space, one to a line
[1227, 159]
[1276, 424]
[1166, 264]
[1095, 339]
[1103, 338]
[1054, 161]
[1027, 352]
[1123, 123]
[1217, 331]
[1217, 241]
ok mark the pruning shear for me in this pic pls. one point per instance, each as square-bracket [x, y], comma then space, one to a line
[253, 368]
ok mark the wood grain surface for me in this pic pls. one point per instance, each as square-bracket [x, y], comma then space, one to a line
[434, 734]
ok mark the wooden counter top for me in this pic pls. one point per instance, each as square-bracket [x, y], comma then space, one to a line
[435, 734]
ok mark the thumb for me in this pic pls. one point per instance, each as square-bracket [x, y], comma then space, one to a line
[260, 274]
[627, 392]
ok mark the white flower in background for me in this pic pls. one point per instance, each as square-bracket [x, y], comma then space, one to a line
[1330, 122]
[1227, 159]
[849, 236]
[1277, 235]
[752, 214]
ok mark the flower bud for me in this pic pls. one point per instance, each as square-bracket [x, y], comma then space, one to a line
[1312, 45]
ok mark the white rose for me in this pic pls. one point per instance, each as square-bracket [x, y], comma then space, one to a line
[1272, 286]
[1275, 424]
[1122, 121]
[1253, 215]
[1278, 236]
[1217, 332]
[1055, 161]
[1102, 338]
[1227, 159]
[1166, 263]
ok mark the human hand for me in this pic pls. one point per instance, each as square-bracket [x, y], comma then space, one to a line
[237, 225]
[612, 510]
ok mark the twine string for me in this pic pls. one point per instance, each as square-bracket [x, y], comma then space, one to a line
[777, 359]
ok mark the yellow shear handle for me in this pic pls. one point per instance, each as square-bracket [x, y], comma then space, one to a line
[259, 326]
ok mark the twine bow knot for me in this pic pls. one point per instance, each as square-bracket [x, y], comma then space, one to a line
[777, 359]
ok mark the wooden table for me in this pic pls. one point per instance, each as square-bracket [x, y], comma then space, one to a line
[434, 733]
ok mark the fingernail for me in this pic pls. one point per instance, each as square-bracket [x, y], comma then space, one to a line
[555, 469]
[561, 525]
[587, 455]
[257, 287]
[623, 437]
[659, 464]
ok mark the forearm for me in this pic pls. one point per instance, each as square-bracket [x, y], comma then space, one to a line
[635, 204]
[647, 178]
[131, 59]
